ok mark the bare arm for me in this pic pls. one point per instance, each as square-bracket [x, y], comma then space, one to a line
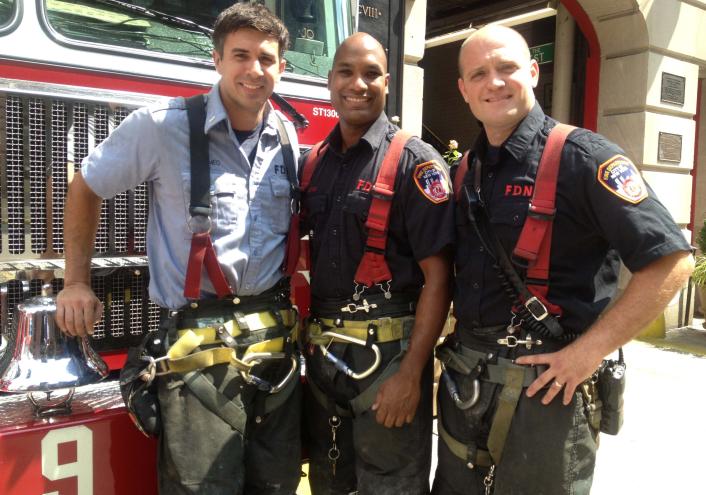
[645, 297]
[398, 398]
[78, 308]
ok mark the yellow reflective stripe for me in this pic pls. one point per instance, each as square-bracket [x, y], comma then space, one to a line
[389, 329]
[186, 343]
[272, 345]
[201, 359]
[255, 321]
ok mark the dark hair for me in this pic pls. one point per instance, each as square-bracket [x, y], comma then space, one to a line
[249, 15]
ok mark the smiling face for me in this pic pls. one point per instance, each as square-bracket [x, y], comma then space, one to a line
[250, 67]
[497, 80]
[358, 82]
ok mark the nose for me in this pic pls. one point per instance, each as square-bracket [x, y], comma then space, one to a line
[496, 80]
[256, 68]
[358, 83]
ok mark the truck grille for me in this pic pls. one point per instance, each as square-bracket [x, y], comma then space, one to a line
[43, 140]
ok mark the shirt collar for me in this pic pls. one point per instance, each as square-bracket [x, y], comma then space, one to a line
[373, 136]
[518, 144]
[216, 113]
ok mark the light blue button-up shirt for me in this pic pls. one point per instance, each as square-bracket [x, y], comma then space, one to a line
[250, 204]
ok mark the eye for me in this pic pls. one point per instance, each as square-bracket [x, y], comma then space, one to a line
[507, 68]
[477, 75]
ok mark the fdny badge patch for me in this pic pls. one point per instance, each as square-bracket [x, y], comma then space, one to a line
[432, 181]
[620, 176]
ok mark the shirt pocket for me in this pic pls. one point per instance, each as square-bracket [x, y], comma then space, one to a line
[279, 209]
[507, 221]
[228, 200]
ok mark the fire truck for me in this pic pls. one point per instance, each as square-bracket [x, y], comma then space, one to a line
[70, 72]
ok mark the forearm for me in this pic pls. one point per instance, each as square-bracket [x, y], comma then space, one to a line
[647, 294]
[81, 217]
[432, 311]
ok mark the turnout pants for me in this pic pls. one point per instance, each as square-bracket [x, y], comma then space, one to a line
[254, 447]
[373, 460]
[549, 450]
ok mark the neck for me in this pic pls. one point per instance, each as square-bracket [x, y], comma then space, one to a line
[350, 135]
[496, 137]
[242, 121]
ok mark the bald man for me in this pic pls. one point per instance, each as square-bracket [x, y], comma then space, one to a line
[370, 424]
[527, 418]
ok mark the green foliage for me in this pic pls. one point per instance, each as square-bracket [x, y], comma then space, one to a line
[701, 238]
[452, 155]
[699, 275]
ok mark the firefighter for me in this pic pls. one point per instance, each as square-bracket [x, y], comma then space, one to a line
[519, 415]
[379, 215]
[220, 168]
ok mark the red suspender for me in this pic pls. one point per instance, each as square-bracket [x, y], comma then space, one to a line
[373, 268]
[293, 237]
[202, 253]
[460, 174]
[535, 241]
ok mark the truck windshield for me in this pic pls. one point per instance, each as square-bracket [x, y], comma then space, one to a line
[7, 9]
[178, 27]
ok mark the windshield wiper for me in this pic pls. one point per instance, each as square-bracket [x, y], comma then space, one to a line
[167, 18]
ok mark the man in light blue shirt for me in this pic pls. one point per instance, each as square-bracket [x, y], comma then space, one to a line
[203, 443]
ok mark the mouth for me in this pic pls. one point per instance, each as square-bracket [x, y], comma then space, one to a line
[251, 87]
[356, 100]
[497, 99]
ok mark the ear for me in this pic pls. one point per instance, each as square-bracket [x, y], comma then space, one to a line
[387, 84]
[534, 72]
[217, 61]
[282, 66]
[462, 89]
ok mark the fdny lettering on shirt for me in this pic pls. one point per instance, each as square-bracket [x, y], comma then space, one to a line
[364, 185]
[432, 181]
[620, 176]
[524, 190]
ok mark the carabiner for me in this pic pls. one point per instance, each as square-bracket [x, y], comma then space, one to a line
[340, 364]
[262, 384]
[455, 395]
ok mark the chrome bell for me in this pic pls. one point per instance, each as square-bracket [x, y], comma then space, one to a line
[39, 357]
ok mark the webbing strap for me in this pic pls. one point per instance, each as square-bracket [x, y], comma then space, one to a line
[363, 401]
[468, 453]
[507, 403]
[291, 257]
[460, 174]
[388, 329]
[312, 161]
[202, 251]
[203, 254]
[534, 242]
[465, 361]
[215, 401]
[373, 268]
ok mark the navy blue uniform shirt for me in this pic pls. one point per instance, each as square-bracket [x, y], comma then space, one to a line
[597, 224]
[337, 204]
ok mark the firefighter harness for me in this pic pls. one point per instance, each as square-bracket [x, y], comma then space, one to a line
[533, 248]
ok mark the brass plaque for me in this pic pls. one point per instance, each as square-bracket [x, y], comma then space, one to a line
[673, 88]
[669, 147]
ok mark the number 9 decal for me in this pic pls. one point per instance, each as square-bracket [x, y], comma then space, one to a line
[82, 468]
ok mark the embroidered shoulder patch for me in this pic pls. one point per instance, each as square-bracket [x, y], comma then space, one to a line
[432, 181]
[620, 176]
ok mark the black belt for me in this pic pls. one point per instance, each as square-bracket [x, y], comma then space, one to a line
[485, 339]
[274, 298]
[398, 305]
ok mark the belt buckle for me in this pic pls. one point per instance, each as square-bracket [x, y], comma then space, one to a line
[536, 308]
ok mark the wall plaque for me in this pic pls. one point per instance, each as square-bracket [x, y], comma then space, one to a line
[374, 19]
[669, 147]
[673, 88]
